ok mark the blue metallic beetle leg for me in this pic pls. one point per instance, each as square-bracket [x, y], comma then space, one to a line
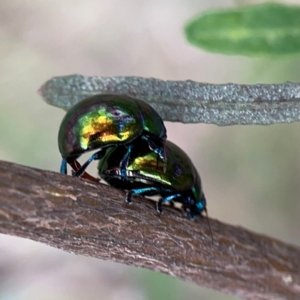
[201, 205]
[124, 162]
[139, 192]
[161, 153]
[154, 147]
[164, 138]
[96, 156]
[63, 166]
[165, 200]
[165, 159]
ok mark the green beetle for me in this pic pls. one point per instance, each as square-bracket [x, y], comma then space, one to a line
[180, 182]
[104, 121]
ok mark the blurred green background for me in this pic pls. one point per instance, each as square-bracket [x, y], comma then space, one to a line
[250, 173]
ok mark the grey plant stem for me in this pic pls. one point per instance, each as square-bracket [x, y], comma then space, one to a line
[187, 101]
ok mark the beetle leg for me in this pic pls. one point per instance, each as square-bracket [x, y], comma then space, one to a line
[128, 197]
[76, 166]
[140, 191]
[124, 162]
[96, 156]
[63, 166]
[160, 152]
[165, 200]
[156, 149]
[190, 207]
[189, 214]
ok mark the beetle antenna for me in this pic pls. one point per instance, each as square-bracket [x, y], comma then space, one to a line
[212, 237]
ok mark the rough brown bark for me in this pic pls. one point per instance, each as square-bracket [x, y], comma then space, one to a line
[91, 219]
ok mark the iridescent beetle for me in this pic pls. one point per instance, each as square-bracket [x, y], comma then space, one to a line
[179, 183]
[103, 121]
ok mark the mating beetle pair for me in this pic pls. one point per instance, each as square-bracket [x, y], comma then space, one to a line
[130, 139]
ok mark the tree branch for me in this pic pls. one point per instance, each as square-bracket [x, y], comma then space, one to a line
[91, 219]
[187, 101]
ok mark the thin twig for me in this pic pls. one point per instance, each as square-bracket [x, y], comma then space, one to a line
[187, 101]
[91, 219]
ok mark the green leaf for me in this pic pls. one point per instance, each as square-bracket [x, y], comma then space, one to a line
[269, 29]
